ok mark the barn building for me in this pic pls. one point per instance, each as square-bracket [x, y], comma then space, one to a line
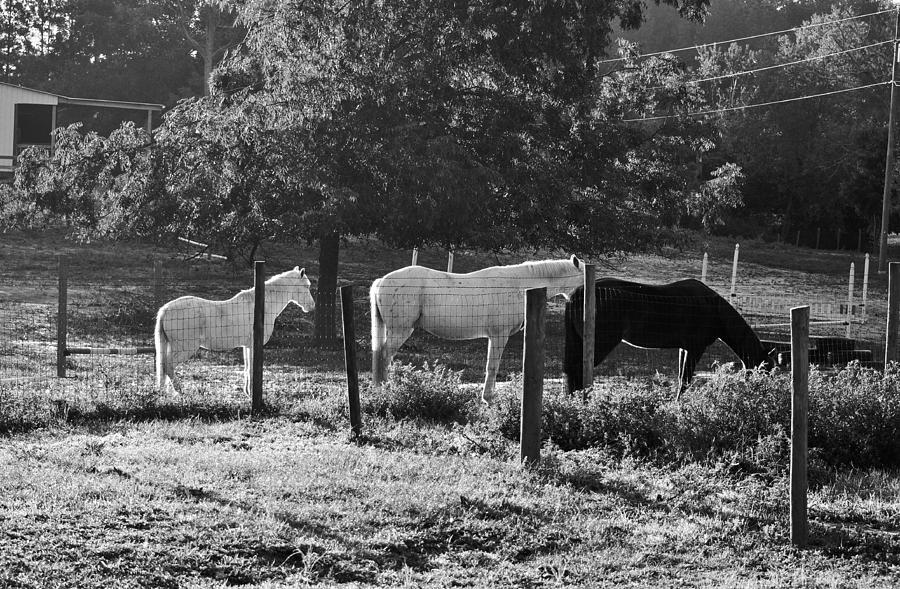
[27, 118]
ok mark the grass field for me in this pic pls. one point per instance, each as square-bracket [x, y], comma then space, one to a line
[122, 488]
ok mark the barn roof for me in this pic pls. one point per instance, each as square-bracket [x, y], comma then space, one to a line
[95, 102]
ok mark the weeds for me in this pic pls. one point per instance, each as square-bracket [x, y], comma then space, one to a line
[430, 393]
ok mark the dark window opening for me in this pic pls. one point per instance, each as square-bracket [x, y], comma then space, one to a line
[33, 123]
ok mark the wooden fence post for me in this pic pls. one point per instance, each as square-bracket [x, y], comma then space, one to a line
[350, 360]
[703, 268]
[415, 256]
[865, 292]
[818, 236]
[799, 418]
[893, 321]
[259, 318]
[850, 297]
[797, 244]
[734, 266]
[533, 379]
[450, 261]
[590, 313]
[157, 283]
[838, 239]
[62, 319]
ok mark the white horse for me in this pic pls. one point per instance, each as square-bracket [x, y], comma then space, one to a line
[187, 324]
[487, 303]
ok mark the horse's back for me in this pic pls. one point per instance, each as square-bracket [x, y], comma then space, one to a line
[689, 287]
[215, 325]
[447, 304]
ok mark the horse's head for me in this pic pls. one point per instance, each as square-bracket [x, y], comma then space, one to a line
[571, 277]
[300, 295]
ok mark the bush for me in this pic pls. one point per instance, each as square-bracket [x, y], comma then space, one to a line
[854, 418]
[427, 393]
[622, 417]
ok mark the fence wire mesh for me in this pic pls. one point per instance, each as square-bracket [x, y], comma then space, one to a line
[113, 309]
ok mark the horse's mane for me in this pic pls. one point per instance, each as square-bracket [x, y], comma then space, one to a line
[248, 292]
[536, 269]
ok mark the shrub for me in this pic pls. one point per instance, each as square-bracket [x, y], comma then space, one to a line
[622, 418]
[854, 418]
[427, 393]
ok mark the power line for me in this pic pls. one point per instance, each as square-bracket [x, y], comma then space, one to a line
[792, 30]
[786, 64]
[746, 106]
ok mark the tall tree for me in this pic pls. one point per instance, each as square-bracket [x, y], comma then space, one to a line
[487, 124]
[812, 162]
[15, 42]
[211, 29]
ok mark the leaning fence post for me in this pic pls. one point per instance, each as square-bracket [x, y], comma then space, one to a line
[890, 348]
[533, 376]
[590, 310]
[799, 418]
[259, 316]
[62, 316]
[350, 360]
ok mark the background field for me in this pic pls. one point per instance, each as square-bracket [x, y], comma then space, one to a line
[104, 482]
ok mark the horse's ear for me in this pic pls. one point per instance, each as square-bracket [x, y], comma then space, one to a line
[576, 261]
[302, 272]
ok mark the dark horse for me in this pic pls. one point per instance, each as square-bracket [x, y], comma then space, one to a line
[686, 314]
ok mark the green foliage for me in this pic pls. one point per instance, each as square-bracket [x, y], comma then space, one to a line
[807, 163]
[854, 418]
[427, 393]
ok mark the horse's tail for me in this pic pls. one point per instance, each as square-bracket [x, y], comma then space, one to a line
[573, 343]
[379, 334]
[163, 348]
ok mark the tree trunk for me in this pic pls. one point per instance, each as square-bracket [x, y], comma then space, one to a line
[211, 25]
[324, 331]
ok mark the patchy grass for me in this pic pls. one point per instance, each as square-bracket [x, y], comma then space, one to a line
[281, 503]
[104, 482]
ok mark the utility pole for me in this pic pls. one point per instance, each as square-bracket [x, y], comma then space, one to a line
[889, 158]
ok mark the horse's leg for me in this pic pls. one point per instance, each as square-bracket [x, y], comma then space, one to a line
[496, 344]
[248, 366]
[686, 368]
[379, 334]
[177, 355]
[394, 338]
[574, 348]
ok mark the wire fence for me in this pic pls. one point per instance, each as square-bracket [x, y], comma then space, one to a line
[110, 318]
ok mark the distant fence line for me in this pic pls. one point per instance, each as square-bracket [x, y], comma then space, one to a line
[122, 317]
